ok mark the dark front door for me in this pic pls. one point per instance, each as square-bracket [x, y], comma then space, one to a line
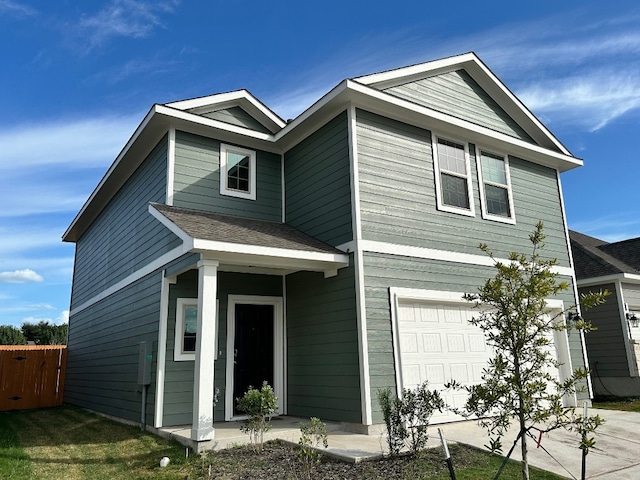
[253, 349]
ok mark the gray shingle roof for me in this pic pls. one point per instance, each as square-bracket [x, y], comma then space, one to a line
[243, 231]
[593, 257]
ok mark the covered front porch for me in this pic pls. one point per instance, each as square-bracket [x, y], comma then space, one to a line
[230, 285]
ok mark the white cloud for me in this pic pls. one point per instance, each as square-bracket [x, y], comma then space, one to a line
[20, 276]
[591, 100]
[63, 317]
[16, 9]
[59, 320]
[26, 308]
[123, 18]
[84, 143]
[610, 228]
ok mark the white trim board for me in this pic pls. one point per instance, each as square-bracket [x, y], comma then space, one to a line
[128, 280]
[433, 254]
[361, 316]
[162, 348]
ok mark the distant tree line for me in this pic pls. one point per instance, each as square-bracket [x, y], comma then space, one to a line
[41, 333]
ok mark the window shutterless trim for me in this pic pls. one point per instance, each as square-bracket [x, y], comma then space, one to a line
[224, 172]
[511, 219]
[470, 212]
[179, 355]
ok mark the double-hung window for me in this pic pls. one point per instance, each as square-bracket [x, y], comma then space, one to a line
[453, 178]
[237, 172]
[495, 186]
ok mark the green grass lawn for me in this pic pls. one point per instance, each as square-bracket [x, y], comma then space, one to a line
[72, 444]
[625, 404]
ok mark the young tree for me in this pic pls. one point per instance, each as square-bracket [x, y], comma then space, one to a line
[518, 325]
[10, 335]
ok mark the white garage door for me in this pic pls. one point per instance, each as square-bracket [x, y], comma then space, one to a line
[437, 344]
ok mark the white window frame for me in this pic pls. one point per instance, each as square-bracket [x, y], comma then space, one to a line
[437, 173]
[511, 219]
[224, 190]
[178, 354]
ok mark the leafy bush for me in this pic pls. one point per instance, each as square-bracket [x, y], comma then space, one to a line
[313, 435]
[407, 418]
[260, 405]
[391, 407]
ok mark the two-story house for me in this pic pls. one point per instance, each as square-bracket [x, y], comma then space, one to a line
[327, 255]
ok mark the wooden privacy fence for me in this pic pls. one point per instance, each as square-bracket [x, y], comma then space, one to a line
[31, 376]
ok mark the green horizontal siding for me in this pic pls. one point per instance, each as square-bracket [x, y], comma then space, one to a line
[125, 237]
[457, 94]
[102, 362]
[605, 346]
[197, 181]
[384, 271]
[323, 375]
[398, 197]
[318, 188]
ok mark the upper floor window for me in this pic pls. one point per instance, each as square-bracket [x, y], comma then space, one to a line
[495, 186]
[453, 178]
[237, 172]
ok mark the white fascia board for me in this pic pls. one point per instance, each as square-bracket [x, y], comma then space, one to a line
[111, 169]
[425, 117]
[187, 240]
[237, 248]
[209, 122]
[405, 74]
[617, 277]
[221, 100]
[323, 102]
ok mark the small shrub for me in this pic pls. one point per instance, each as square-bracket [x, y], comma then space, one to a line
[418, 406]
[391, 407]
[313, 435]
[260, 405]
[407, 418]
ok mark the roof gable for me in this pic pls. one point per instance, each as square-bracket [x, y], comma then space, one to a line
[238, 108]
[423, 84]
[456, 93]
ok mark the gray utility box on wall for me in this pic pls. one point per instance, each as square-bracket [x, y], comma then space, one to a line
[144, 364]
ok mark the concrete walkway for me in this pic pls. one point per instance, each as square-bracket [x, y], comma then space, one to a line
[616, 456]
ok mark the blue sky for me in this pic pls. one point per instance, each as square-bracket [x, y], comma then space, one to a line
[77, 77]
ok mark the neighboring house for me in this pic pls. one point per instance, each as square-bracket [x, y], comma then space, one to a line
[327, 254]
[614, 348]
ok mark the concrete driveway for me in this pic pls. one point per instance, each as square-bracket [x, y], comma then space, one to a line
[616, 455]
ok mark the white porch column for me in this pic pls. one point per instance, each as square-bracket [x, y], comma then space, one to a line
[202, 426]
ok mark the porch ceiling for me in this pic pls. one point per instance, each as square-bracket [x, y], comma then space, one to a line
[243, 244]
